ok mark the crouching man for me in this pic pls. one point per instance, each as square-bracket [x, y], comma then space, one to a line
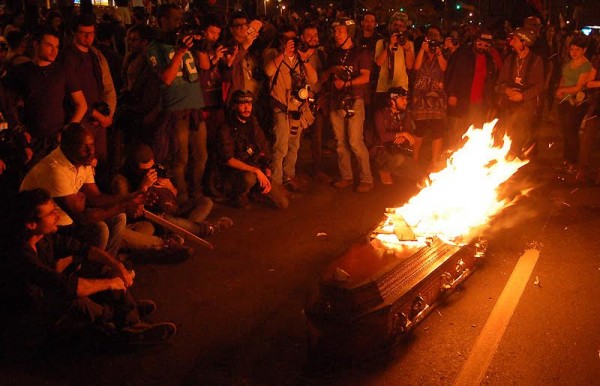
[395, 127]
[244, 151]
[53, 285]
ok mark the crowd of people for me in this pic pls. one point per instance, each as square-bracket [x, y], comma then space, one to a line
[106, 118]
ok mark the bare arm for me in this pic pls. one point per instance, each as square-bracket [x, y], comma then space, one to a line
[262, 178]
[80, 106]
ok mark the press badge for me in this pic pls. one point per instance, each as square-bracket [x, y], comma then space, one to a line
[249, 151]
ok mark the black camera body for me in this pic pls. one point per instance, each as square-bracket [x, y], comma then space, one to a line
[347, 105]
[161, 171]
[433, 45]
[229, 46]
[402, 39]
[403, 148]
[189, 30]
[102, 107]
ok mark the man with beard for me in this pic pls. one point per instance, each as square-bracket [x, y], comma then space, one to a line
[85, 213]
[471, 77]
[43, 85]
[520, 85]
[181, 126]
[348, 72]
[245, 154]
[395, 127]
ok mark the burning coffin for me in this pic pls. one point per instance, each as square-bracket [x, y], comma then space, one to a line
[375, 293]
[379, 291]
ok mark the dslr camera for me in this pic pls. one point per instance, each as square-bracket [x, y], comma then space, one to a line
[347, 105]
[433, 45]
[401, 41]
[161, 170]
[189, 30]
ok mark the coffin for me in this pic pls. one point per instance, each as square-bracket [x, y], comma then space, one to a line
[373, 295]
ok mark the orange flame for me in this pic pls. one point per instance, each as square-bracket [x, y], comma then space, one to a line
[462, 198]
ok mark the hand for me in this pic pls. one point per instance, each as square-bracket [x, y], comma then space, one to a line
[304, 56]
[263, 181]
[62, 264]
[166, 183]
[28, 154]
[27, 136]
[2, 167]
[220, 52]
[289, 49]
[393, 40]
[452, 101]
[510, 91]
[117, 284]
[104, 121]
[187, 43]
[425, 46]
[230, 57]
[403, 137]
[339, 84]
[148, 180]
[559, 93]
[516, 97]
[123, 274]
[252, 35]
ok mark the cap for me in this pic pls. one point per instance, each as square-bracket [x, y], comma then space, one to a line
[242, 96]
[346, 21]
[486, 37]
[526, 35]
[397, 92]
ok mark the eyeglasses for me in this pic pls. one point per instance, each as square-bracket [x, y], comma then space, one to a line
[481, 44]
[239, 26]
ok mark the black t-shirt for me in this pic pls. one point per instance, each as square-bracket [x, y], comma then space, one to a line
[353, 60]
[43, 90]
[81, 64]
[243, 141]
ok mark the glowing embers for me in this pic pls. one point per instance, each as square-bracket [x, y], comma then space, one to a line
[461, 199]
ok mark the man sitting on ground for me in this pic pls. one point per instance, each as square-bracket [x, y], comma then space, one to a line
[53, 285]
[85, 213]
[142, 174]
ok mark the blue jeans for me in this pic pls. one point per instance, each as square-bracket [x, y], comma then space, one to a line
[285, 147]
[351, 139]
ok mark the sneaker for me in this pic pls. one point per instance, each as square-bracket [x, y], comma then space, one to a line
[148, 334]
[210, 228]
[293, 185]
[145, 308]
[364, 187]
[385, 177]
[341, 184]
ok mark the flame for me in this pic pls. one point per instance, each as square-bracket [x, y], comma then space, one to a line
[463, 197]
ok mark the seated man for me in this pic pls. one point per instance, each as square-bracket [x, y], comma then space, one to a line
[395, 126]
[244, 151]
[53, 285]
[141, 174]
[86, 214]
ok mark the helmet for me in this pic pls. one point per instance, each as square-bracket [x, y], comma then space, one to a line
[242, 96]
[349, 23]
[526, 35]
[397, 92]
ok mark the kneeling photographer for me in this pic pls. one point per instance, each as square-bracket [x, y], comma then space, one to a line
[348, 70]
[395, 126]
[289, 72]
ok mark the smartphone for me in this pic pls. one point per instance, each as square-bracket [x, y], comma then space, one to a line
[255, 25]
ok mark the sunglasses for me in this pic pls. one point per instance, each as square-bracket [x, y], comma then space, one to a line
[238, 26]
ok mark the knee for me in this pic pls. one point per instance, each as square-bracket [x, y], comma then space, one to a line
[249, 179]
[99, 234]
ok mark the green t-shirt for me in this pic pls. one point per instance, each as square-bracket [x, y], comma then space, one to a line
[571, 75]
[185, 92]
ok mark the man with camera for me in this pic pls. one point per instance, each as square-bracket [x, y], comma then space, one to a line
[394, 57]
[246, 158]
[348, 72]
[93, 73]
[246, 62]
[180, 136]
[395, 126]
[519, 87]
[290, 71]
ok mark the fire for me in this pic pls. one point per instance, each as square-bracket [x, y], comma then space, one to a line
[462, 198]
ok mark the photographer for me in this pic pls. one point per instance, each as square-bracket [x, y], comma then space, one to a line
[180, 126]
[141, 173]
[394, 56]
[429, 98]
[348, 72]
[246, 61]
[520, 85]
[394, 155]
[245, 154]
[289, 71]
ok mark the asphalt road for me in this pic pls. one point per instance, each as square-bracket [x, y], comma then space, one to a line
[239, 307]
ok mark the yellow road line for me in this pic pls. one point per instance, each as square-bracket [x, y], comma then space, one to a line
[481, 355]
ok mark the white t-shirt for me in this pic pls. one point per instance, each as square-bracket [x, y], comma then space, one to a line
[60, 177]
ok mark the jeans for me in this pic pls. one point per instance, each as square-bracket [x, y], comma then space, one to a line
[351, 138]
[106, 235]
[285, 147]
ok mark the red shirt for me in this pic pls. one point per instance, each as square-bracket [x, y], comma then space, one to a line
[479, 79]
